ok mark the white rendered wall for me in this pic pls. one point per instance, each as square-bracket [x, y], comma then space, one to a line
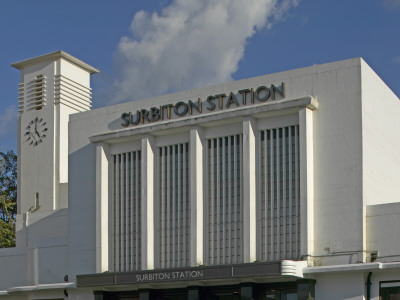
[352, 284]
[44, 236]
[340, 286]
[379, 276]
[338, 216]
[147, 204]
[381, 140]
[41, 256]
[73, 72]
[102, 212]
[382, 223]
[82, 205]
[196, 196]
[249, 190]
[306, 126]
[339, 189]
[13, 265]
[45, 166]
[35, 162]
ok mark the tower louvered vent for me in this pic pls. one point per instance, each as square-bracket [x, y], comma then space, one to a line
[32, 96]
[72, 94]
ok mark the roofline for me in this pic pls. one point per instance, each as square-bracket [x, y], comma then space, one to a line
[352, 267]
[53, 56]
[38, 287]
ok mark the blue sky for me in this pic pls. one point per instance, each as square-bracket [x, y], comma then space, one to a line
[193, 43]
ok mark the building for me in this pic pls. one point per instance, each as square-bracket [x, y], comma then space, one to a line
[283, 186]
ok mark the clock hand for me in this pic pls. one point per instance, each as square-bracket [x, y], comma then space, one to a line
[36, 131]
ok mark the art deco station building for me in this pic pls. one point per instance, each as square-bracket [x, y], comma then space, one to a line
[283, 186]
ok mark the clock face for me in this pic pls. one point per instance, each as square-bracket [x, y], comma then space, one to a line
[35, 132]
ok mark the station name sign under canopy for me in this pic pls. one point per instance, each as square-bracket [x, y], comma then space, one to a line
[213, 102]
[237, 271]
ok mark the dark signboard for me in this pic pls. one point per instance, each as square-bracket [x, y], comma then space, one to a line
[186, 274]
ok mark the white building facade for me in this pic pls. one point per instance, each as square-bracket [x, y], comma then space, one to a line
[282, 186]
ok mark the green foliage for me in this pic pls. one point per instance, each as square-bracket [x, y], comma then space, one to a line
[8, 198]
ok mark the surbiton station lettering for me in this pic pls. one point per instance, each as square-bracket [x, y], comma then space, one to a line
[222, 101]
[170, 275]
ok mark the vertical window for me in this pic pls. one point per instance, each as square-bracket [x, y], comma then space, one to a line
[389, 290]
[390, 293]
[126, 211]
[173, 206]
[224, 200]
[279, 206]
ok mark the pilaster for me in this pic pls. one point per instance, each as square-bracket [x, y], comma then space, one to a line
[249, 191]
[306, 182]
[102, 208]
[196, 196]
[147, 213]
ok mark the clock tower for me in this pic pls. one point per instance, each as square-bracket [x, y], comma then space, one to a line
[51, 87]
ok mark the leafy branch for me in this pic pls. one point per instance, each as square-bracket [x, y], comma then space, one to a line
[8, 198]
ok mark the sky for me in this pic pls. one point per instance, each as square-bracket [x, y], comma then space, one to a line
[145, 48]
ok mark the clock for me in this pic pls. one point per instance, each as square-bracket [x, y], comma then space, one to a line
[35, 132]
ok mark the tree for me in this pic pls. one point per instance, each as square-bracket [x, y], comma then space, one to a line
[8, 198]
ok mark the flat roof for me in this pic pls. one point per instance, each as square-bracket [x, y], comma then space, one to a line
[53, 56]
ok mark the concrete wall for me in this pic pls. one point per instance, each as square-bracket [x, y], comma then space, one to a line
[338, 214]
[337, 161]
[382, 224]
[381, 276]
[381, 140]
[60, 243]
[36, 163]
[13, 267]
[340, 286]
[42, 253]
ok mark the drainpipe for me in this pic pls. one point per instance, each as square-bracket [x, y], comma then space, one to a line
[369, 286]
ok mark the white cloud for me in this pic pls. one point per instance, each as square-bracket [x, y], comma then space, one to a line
[396, 59]
[392, 3]
[189, 44]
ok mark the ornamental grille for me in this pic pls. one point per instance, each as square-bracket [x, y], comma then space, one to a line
[72, 94]
[279, 208]
[224, 200]
[32, 95]
[126, 212]
[173, 205]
